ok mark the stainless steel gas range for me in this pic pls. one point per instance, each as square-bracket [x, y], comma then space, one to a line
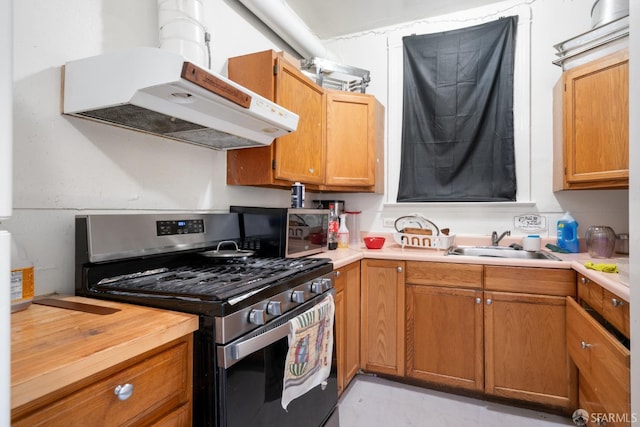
[244, 302]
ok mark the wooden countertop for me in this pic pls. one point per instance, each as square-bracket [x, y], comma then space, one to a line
[54, 347]
[617, 283]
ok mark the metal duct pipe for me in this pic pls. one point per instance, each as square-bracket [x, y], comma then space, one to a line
[278, 16]
[182, 30]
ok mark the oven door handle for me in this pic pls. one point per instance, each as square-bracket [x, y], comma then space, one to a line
[232, 353]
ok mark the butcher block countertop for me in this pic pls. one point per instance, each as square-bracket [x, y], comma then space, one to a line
[617, 283]
[54, 347]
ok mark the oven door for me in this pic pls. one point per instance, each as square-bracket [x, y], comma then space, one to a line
[250, 376]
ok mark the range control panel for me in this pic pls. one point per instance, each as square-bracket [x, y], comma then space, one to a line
[181, 226]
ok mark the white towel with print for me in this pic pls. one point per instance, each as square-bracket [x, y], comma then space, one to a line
[308, 361]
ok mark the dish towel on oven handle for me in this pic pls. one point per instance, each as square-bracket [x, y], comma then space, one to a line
[308, 362]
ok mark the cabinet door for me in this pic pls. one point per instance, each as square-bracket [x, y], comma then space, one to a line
[596, 123]
[382, 338]
[300, 156]
[444, 336]
[347, 284]
[602, 360]
[350, 139]
[526, 354]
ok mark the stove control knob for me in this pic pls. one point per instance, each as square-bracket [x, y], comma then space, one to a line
[297, 296]
[257, 317]
[319, 286]
[274, 308]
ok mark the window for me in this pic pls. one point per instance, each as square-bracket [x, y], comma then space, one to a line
[521, 89]
[457, 129]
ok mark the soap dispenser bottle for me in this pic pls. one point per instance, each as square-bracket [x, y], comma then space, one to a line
[568, 233]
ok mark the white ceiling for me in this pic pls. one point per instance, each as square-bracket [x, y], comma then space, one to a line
[331, 18]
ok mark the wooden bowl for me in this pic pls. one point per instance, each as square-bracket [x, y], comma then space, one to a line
[374, 242]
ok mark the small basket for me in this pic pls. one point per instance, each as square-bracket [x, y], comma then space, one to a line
[424, 241]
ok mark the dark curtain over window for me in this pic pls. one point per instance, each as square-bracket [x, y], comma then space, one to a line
[457, 126]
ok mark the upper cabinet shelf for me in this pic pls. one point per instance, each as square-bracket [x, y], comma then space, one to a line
[591, 115]
[339, 142]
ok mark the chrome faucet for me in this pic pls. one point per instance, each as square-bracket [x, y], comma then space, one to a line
[495, 240]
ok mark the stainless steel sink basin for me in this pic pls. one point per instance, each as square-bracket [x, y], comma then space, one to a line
[500, 252]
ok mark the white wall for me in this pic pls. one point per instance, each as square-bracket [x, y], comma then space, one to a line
[65, 166]
[553, 21]
[6, 106]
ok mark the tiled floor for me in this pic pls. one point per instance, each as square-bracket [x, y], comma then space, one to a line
[376, 402]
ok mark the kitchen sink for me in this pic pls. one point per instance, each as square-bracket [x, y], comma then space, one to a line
[500, 252]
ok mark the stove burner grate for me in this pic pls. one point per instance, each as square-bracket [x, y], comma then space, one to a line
[210, 281]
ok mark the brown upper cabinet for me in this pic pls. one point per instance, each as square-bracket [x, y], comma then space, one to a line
[338, 145]
[591, 125]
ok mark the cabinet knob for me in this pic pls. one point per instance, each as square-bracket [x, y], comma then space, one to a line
[337, 273]
[584, 345]
[489, 301]
[123, 391]
[311, 170]
[399, 269]
[616, 302]
[478, 300]
[584, 280]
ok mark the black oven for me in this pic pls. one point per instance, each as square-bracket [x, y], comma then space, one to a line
[250, 377]
[244, 306]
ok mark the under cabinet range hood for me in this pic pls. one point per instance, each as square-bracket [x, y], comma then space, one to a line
[156, 91]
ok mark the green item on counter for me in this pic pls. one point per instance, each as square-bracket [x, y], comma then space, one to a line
[554, 248]
[607, 268]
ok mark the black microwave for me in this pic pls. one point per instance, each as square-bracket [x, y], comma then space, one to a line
[283, 232]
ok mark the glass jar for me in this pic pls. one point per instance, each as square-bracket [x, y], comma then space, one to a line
[600, 241]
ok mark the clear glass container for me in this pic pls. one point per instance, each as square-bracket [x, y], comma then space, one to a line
[601, 241]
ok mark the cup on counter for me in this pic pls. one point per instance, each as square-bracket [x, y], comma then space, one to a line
[531, 243]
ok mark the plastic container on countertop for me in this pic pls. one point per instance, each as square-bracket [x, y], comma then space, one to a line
[22, 280]
[343, 232]
[567, 230]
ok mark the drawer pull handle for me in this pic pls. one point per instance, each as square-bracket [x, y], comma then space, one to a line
[584, 345]
[123, 391]
[616, 302]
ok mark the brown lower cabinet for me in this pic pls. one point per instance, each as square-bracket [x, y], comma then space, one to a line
[444, 324]
[597, 330]
[161, 381]
[383, 325]
[497, 330]
[347, 301]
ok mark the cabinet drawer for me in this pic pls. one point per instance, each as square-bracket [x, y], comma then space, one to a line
[444, 274]
[161, 382]
[544, 281]
[616, 311]
[590, 292]
[600, 358]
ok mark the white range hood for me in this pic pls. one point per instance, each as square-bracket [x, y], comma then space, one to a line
[156, 91]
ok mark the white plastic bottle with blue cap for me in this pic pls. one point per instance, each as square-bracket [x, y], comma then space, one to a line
[568, 233]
